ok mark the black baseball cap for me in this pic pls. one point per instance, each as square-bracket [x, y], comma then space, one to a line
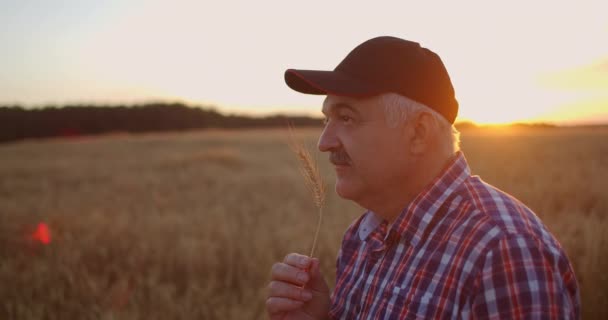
[383, 65]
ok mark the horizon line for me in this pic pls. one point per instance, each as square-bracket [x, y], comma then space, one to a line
[225, 110]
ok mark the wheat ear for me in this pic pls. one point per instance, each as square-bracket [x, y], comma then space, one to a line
[312, 178]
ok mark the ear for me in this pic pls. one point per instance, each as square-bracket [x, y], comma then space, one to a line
[421, 133]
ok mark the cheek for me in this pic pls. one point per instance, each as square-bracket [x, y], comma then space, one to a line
[373, 150]
[385, 159]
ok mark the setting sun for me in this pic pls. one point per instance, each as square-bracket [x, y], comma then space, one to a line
[509, 62]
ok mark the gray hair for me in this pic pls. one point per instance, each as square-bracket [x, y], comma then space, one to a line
[399, 109]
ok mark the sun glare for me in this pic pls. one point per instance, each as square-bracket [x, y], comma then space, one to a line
[508, 63]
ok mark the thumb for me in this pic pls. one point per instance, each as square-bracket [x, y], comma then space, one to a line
[316, 282]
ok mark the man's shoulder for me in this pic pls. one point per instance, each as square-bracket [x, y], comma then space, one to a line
[501, 212]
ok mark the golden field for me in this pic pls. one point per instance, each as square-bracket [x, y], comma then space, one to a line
[187, 226]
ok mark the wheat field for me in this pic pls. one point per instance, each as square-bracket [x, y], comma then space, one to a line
[187, 225]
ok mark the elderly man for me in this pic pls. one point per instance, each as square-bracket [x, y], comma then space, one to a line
[435, 241]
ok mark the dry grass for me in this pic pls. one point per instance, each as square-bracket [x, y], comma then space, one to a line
[186, 226]
[312, 178]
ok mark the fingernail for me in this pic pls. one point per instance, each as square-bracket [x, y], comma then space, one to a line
[302, 277]
[306, 295]
[304, 261]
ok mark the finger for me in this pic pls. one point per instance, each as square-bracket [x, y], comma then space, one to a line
[277, 316]
[284, 272]
[275, 305]
[297, 260]
[285, 290]
[315, 267]
[317, 282]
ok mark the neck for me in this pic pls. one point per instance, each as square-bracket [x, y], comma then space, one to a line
[393, 200]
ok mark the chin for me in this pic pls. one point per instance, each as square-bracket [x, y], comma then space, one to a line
[345, 190]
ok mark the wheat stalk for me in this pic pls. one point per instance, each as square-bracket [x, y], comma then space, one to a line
[312, 178]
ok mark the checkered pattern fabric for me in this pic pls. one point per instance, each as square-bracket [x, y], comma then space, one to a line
[462, 249]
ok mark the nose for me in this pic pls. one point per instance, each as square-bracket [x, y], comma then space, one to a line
[328, 140]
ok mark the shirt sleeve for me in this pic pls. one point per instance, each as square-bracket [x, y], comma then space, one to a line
[523, 279]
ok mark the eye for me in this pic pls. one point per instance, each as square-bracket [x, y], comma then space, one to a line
[346, 119]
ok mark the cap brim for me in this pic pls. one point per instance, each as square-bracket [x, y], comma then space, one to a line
[327, 82]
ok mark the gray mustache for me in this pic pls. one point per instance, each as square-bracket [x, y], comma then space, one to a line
[339, 158]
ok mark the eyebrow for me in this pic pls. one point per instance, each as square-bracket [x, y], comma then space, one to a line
[334, 107]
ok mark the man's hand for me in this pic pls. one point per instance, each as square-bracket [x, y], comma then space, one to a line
[297, 290]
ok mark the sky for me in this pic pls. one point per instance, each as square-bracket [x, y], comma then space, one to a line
[510, 61]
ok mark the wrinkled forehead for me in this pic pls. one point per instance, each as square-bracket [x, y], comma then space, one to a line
[333, 103]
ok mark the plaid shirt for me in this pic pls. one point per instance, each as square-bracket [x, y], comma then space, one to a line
[461, 249]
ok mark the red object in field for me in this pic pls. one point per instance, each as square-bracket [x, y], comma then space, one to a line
[42, 234]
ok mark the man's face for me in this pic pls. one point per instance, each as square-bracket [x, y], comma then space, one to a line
[369, 156]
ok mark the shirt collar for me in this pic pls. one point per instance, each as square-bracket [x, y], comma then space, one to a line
[413, 220]
[369, 223]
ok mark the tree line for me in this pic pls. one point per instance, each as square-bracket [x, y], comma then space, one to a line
[18, 123]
